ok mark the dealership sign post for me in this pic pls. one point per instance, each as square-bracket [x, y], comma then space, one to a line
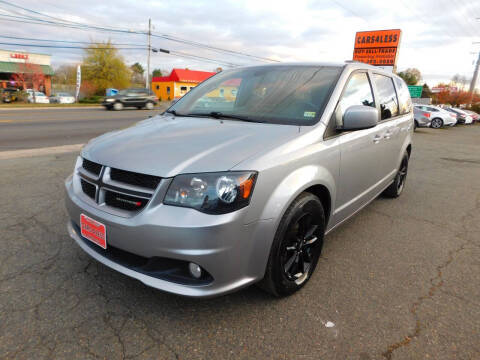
[79, 81]
[378, 48]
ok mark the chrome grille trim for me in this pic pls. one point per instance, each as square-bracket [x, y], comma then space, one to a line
[103, 183]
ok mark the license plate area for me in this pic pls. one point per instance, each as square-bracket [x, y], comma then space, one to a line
[93, 230]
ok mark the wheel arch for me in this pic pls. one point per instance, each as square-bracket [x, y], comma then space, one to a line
[311, 179]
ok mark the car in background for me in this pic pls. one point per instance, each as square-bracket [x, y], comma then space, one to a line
[8, 95]
[439, 117]
[473, 114]
[62, 98]
[39, 98]
[462, 117]
[139, 98]
[421, 118]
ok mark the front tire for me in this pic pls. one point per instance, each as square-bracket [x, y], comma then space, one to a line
[396, 188]
[149, 105]
[436, 123]
[118, 106]
[296, 247]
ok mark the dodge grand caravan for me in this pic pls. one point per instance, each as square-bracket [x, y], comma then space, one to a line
[238, 182]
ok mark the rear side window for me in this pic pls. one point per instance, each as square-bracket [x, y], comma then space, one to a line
[357, 92]
[404, 100]
[387, 98]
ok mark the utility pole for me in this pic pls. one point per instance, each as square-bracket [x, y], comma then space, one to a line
[149, 50]
[474, 79]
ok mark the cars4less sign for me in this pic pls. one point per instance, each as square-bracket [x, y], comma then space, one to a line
[379, 48]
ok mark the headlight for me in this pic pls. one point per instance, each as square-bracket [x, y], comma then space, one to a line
[109, 100]
[212, 193]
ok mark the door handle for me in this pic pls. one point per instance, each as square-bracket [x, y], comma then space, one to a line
[376, 139]
[387, 135]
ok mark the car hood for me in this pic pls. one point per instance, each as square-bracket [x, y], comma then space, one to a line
[167, 146]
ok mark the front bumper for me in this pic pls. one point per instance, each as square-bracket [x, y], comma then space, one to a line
[233, 253]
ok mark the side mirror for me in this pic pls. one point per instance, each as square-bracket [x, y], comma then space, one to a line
[359, 117]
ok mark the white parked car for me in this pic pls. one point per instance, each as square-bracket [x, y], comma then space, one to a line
[462, 116]
[40, 98]
[62, 98]
[438, 116]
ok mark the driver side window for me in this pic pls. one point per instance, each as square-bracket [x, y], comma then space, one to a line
[357, 92]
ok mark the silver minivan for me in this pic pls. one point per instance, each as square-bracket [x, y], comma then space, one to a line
[240, 180]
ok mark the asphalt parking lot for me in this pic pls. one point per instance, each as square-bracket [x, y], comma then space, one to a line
[398, 281]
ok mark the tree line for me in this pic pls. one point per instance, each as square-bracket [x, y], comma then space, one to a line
[454, 93]
[102, 67]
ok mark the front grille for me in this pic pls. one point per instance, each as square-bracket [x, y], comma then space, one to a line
[133, 178]
[92, 167]
[88, 189]
[124, 202]
[110, 187]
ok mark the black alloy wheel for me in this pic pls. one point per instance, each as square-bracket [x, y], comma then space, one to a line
[396, 188]
[296, 247]
[299, 250]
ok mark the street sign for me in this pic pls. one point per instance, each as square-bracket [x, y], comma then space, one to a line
[379, 48]
[415, 91]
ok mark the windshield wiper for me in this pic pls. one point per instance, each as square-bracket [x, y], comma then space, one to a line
[173, 112]
[220, 115]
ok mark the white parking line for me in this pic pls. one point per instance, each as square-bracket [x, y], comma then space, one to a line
[15, 154]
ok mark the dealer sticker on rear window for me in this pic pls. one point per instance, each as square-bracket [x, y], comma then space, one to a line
[309, 114]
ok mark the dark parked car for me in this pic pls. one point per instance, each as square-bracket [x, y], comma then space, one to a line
[139, 98]
[9, 95]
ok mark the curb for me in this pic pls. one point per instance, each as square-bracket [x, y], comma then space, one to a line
[49, 108]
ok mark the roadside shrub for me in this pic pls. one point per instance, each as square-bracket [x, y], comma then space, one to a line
[95, 99]
[476, 108]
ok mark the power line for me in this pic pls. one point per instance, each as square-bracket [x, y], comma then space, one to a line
[71, 47]
[63, 41]
[196, 57]
[213, 48]
[78, 25]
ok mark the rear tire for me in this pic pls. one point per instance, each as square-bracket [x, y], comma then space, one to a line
[436, 123]
[396, 188]
[296, 247]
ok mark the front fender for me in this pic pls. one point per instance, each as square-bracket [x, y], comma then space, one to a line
[293, 185]
[277, 202]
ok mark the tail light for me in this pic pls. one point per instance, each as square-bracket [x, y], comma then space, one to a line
[427, 115]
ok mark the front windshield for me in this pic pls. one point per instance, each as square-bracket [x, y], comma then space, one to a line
[276, 94]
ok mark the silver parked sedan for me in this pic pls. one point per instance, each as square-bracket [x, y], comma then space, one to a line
[212, 196]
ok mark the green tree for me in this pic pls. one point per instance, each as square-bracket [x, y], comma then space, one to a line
[426, 92]
[65, 75]
[411, 76]
[104, 67]
[157, 72]
[137, 74]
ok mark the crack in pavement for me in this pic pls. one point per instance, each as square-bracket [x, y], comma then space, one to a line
[436, 283]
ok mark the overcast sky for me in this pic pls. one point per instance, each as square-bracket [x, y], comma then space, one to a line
[437, 35]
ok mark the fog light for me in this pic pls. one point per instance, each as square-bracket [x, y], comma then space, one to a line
[195, 270]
